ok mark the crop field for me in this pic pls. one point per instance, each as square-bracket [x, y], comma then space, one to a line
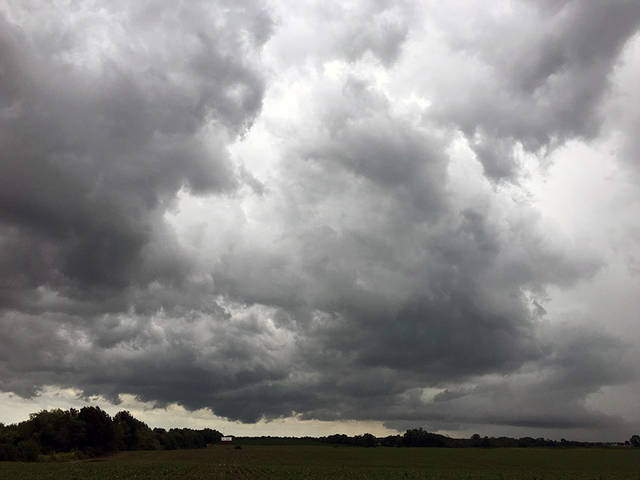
[328, 462]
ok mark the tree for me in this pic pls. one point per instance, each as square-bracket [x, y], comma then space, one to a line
[635, 440]
[211, 436]
[132, 434]
[368, 440]
[94, 432]
[57, 430]
[419, 437]
[27, 451]
[99, 433]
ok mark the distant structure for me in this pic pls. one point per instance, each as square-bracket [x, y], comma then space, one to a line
[226, 440]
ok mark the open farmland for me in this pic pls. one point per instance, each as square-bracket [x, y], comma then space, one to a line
[327, 462]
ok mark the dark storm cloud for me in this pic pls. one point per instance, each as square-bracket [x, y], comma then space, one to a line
[547, 77]
[622, 109]
[371, 282]
[106, 114]
[397, 293]
[105, 117]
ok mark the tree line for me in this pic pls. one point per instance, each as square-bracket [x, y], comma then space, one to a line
[418, 437]
[91, 432]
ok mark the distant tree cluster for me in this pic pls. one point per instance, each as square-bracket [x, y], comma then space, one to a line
[90, 431]
[366, 440]
[419, 437]
[412, 438]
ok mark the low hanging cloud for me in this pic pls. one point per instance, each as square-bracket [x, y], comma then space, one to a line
[106, 115]
[372, 256]
[537, 75]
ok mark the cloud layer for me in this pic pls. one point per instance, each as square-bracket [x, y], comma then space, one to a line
[213, 205]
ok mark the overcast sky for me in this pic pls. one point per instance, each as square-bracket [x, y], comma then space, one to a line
[300, 217]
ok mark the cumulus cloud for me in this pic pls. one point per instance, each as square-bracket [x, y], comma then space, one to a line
[107, 113]
[535, 74]
[341, 30]
[212, 206]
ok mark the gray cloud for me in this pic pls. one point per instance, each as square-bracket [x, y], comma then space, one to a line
[106, 118]
[544, 69]
[367, 276]
[348, 31]
[622, 116]
[390, 293]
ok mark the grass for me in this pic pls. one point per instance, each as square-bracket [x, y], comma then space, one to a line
[327, 462]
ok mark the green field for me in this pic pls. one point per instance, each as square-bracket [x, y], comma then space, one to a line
[327, 462]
